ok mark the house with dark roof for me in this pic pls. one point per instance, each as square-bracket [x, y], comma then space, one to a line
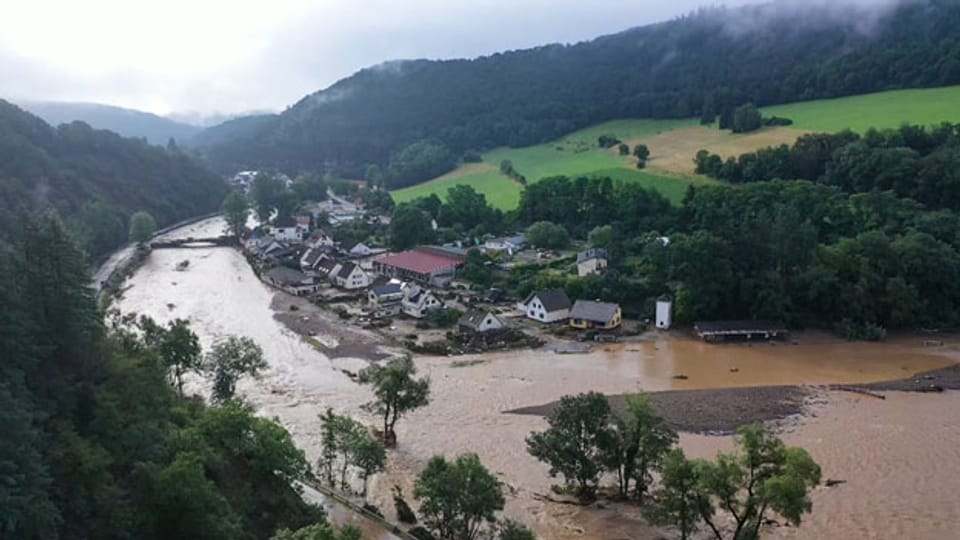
[418, 302]
[292, 281]
[546, 306]
[286, 229]
[349, 276]
[384, 300]
[591, 261]
[319, 238]
[423, 265]
[312, 257]
[478, 321]
[587, 314]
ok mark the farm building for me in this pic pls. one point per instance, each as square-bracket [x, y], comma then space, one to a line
[422, 265]
[735, 330]
[478, 321]
[546, 306]
[591, 261]
[587, 314]
[510, 244]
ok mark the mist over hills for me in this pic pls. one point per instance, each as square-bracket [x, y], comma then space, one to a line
[714, 59]
[126, 122]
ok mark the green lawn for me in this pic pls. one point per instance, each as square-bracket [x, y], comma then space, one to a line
[927, 106]
[501, 192]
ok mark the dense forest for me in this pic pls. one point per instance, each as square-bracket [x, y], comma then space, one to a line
[97, 441]
[96, 179]
[706, 64]
[126, 122]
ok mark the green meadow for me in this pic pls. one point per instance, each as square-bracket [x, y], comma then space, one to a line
[577, 154]
[927, 106]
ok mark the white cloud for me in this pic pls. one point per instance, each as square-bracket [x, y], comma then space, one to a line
[230, 56]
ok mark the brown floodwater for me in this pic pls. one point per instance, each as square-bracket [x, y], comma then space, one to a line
[889, 451]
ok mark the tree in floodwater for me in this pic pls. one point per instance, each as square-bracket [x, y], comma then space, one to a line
[639, 441]
[231, 359]
[459, 497]
[346, 443]
[397, 392]
[236, 209]
[142, 227]
[764, 477]
[178, 346]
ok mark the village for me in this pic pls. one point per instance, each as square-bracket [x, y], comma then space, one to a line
[417, 296]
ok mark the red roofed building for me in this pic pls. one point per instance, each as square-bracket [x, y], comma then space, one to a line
[422, 264]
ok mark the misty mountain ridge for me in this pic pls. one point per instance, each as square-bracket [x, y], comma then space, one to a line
[126, 122]
[705, 62]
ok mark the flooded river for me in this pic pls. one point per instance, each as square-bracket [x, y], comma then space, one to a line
[899, 456]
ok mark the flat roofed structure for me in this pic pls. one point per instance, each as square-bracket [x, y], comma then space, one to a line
[723, 330]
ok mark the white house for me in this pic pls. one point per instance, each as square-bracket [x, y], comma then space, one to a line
[546, 306]
[286, 229]
[418, 302]
[360, 250]
[319, 239]
[664, 319]
[591, 261]
[478, 321]
[510, 244]
[350, 276]
[311, 259]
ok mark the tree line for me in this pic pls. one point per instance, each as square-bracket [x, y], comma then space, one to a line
[95, 179]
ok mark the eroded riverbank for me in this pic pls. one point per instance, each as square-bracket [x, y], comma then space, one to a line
[220, 295]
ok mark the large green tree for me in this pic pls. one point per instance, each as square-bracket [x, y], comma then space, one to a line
[268, 193]
[231, 359]
[574, 443]
[409, 226]
[396, 390]
[142, 227]
[236, 209]
[458, 498]
[639, 440]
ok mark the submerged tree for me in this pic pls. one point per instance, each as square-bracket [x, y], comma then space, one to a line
[637, 445]
[574, 443]
[231, 359]
[397, 392]
[764, 477]
[459, 497]
[178, 346]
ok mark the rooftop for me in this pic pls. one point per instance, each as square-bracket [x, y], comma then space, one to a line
[739, 327]
[594, 253]
[419, 261]
[473, 318]
[289, 276]
[552, 299]
[588, 310]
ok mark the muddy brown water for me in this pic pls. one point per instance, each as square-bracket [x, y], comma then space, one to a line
[899, 456]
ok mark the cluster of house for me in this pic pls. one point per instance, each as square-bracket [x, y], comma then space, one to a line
[397, 283]
[554, 306]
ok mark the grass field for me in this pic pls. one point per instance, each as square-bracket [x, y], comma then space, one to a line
[928, 106]
[500, 191]
[673, 144]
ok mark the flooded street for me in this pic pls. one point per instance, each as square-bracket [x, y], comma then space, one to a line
[898, 456]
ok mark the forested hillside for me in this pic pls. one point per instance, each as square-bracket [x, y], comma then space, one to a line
[703, 64]
[96, 179]
[96, 441]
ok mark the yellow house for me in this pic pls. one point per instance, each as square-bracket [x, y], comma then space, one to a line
[586, 315]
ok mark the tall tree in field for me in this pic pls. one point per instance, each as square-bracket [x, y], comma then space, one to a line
[458, 498]
[142, 227]
[746, 118]
[573, 446]
[230, 360]
[397, 392]
[236, 208]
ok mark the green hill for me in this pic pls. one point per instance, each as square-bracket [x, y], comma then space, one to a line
[673, 143]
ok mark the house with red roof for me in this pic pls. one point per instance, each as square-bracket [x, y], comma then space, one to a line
[427, 265]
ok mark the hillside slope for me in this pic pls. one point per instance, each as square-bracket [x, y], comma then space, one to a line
[95, 179]
[126, 122]
[710, 61]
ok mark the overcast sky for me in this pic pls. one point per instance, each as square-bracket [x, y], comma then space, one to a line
[231, 56]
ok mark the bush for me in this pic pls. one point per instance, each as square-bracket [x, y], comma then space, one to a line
[472, 156]
[861, 331]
